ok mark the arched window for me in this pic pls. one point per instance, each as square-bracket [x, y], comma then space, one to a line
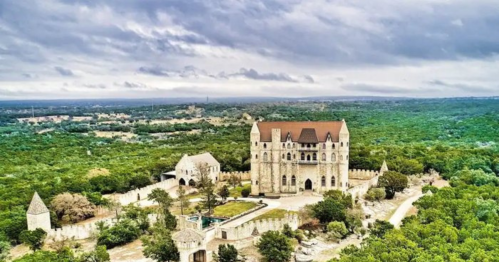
[323, 156]
[347, 157]
[256, 143]
[302, 156]
[334, 146]
[341, 144]
[283, 156]
[341, 157]
[284, 182]
[256, 182]
[314, 157]
[256, 156]
[323, 181]
[333, 157]
[324, 146]
[186, 172]
[289, 156]
[308, 157]
[293, 180]
[265, 145]
[333, 181]
[308, 145]
[283, 145]
[293, 145]
[265, 156]
[294, 156]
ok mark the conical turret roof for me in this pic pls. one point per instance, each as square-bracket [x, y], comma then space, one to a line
[384, 167]
[37, 206]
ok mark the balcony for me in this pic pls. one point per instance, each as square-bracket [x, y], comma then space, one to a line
[308, 149]
[308, 162]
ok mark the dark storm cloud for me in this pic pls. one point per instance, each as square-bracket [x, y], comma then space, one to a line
[63, 71]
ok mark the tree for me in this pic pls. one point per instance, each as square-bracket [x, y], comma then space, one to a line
[160, 246]
[344, 198]
[164, 201]
[380, 227]
[4, 250]
[329, 210]
[234, 180]
[72, 207]
[226, 253]
[123, 232]
[393, 182]
[100, 254]
[33, 239]
[337, 230]
[245, 192]
[275, 247]
[206, 187]
[375, 194]
[287, 231]
[224, 192]
[182, 199]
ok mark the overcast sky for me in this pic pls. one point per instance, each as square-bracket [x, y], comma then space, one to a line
[181, 48]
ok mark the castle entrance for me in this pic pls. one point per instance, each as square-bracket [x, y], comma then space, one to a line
[308, 184]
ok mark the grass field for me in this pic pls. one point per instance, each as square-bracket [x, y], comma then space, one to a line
[233, 208]
[274, 213]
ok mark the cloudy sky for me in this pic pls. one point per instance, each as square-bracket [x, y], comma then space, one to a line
[290, 48]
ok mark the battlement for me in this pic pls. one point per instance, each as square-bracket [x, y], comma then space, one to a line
[141, 193]
[255, 228]
[362, 174]
[224, 176]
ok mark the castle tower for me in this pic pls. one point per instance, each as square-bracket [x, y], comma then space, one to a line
[344, 145]
[383, 169]
[255, 159]
[276, 159]
[38, 215]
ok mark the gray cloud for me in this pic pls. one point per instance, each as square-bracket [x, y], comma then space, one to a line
[379, 89]
[63, 71]
[156, 71]
[95, 86]
[461, 87]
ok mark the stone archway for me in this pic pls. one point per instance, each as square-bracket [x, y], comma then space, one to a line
[192, 183]
[308, 184]
[198, 256]
[181, 182]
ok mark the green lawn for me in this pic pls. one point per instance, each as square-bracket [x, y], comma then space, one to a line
[274, 213]
[236, 192]
[233, 208]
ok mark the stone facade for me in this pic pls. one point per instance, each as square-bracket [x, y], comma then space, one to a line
[288, 157]
[187, 169]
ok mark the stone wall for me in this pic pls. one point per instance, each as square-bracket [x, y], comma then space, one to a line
[141, 193]
[361, 190]
[224, 176]
[253, 228]
[83, 231]
[362, 174]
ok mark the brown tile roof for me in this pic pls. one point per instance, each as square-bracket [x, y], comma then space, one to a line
[308, 135]
[322, 128]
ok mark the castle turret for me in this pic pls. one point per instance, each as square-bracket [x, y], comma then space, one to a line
[255, 154]
[38, 215]
[383, 169]
[344, 144]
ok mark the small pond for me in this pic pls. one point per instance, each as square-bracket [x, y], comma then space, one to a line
[206, 221]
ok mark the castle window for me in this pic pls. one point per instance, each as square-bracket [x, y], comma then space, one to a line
[256, 182]
[333, 181]
[289, 156]
[186, 172]
[333, 157]
[334, 146]
[282, 156]
[308, 145]
[256, 143]
[323, 157]
[314, 145]
[347, 157]
[293, 145]
[256, 156]
[294, 156]
[308, 157]
[265, 145]
[323, 181]
[314, 157]
[293, 180]
[302, 156]
[324, 146]
[284, 180]
[289, 146]
[265, 156]
[283, 145]
[341, 157]
[341, 144]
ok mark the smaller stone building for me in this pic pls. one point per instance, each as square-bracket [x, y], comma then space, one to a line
[187, 169]
[191, 245]
[38, 214]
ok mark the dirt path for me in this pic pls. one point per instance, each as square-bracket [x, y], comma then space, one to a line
[403, 209]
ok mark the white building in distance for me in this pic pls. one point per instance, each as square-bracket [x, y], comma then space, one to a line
[187, 169]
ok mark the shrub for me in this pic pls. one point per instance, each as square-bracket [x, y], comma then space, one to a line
[33, 239]
[226, 253]
[375, 194]
[245, 192]
[337, 230]
[72, 207]
[287, 231]
[275, 246]
[427, 188]
[123, 232]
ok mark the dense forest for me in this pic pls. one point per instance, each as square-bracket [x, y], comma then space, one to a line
[447, 135]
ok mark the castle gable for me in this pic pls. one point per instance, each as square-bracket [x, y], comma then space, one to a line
[308, 135]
